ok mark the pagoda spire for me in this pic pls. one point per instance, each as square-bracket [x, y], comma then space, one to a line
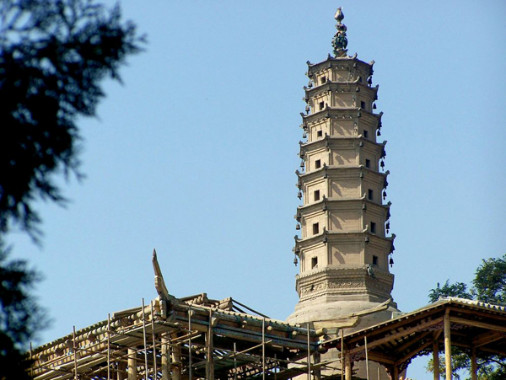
[340, 41]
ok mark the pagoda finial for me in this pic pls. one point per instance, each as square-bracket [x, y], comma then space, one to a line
[339, 42]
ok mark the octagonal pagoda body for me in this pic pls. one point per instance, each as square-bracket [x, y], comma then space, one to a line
[344, 247]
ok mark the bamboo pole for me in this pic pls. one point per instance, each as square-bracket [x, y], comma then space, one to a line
[209, 349]
[366, 358]
[342, 354]
[31, 359]
[263, 348]
[448, 345]
[276, 371]
[144, 337]
[155, 369]
[235, 361]
[109, 346]
[308, 354]
[74, 347]
[190, 371]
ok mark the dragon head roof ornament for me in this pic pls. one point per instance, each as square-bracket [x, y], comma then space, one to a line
[339, 42]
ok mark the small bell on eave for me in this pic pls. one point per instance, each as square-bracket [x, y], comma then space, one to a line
[384, 194]
[378, 133]
[307, 109]
[391, 262]
[295, 261]
[299, 195]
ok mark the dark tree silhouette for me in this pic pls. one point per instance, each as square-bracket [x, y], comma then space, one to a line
[20, 316]
[53, 56]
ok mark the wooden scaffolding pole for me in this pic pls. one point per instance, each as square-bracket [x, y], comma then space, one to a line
[190, 365]
[366, 358]
[74, 347]
[153, 337]
[342, 354]
[209, 349]
[109, 346]
[145, 341]
[308, 353]
[448, 345]
[263, 348]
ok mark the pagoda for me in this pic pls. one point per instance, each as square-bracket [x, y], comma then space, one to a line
[344, 248]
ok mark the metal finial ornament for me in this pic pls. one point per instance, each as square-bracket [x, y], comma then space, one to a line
[340, 42]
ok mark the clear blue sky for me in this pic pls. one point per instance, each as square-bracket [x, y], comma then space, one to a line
[195, 153]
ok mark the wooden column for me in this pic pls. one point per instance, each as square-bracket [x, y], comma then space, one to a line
[448, 345]
[120, 370]
[165, 358]
[473, 364]
[209, 350]
[317, 373]
[435, 359]
[395, 372]
[132, 364]
[347, 367]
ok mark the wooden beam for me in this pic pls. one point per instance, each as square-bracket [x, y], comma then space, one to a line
[380, 357]
[482, 325]
[410, 342]
[486, 338]
[412, 353]
[397, 335]
[387, 328]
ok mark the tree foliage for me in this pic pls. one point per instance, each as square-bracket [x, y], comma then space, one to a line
[458, 289]
[53, 54]
[489, 285]
[53, 57]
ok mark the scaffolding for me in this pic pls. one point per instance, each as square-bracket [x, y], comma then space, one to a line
[195, 339]
[199, 338]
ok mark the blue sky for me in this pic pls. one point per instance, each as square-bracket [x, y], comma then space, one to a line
[195, 154]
